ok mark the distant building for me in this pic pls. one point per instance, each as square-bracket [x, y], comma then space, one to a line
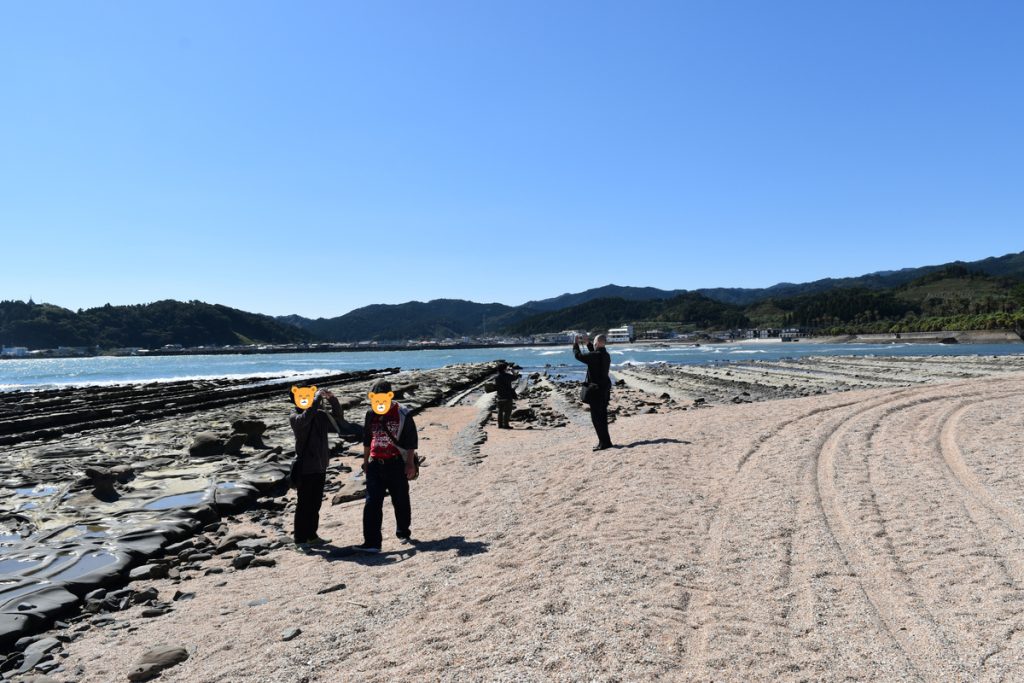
[621, 335]
[14, 351]
[654, 334]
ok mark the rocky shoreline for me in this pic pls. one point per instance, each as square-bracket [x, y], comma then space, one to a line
[103, 486]
[108, 529]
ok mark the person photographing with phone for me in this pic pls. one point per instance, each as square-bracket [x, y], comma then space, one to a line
[598, 384]
[311, 425]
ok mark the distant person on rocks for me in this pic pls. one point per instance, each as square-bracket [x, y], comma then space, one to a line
[506, 395]
[389, 461]
[311, 425]
[598, 362]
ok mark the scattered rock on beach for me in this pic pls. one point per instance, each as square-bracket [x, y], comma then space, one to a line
[205, 445]
[156, 660]
[290, 633]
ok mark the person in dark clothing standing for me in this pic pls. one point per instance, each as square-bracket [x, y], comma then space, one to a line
[506, 395]
[389, 461]
[598, 362]
[311, 426]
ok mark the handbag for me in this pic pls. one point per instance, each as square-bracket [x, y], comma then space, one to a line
[588, 392]
[417, 461]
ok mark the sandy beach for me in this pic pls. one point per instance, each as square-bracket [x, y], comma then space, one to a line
[858, 535]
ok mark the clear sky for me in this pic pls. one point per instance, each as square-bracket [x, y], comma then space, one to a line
[314, 157]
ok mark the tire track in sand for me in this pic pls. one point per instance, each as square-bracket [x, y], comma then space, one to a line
[872, 558]
[715, 613]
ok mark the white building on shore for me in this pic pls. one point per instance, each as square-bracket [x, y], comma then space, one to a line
[621, 335]
[14, 351]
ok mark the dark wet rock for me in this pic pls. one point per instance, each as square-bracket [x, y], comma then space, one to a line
[148, 571]
[263, 562]
[146, 595]
[102, 481]
[123, 473]
[179, 596]
[156, 660]
[253, 431]
[234, 443]
[152, 612]
[206, 445]
[290, 633]
[199, 557]
[36, 652]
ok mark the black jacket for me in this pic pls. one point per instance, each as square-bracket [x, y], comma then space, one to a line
[598, 362]
[311, 427]
[504, 382]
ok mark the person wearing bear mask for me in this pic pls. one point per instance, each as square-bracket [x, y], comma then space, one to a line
[389, 460]
[311, 425]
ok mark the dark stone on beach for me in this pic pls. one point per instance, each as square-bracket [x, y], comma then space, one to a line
[156, 660]
[181, 597]
[102, 481]
[151, 612]
[524, 415]
[665, 396]
[263, 562]
[231, 542]
[36, 652]
[331, 589]
[206, 445]
[290, 633]
[233, 446]
[253, 431]
[347, 497]
[148, 571]
[146, 595]
[123, 473]
[242, 561]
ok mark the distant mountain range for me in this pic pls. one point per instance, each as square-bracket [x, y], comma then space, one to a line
[442, 318]
[958, 295]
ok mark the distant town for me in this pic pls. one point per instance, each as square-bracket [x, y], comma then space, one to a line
[625, 334]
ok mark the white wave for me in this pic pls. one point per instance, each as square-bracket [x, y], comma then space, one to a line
[269, 374]
[550, 353]
[750, 351]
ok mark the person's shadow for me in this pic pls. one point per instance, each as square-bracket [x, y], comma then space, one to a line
[655, 442]
[459, 544]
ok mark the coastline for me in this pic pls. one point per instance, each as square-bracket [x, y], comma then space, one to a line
[523, 571]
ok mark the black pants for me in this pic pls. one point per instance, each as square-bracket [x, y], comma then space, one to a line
[504, 411]
[599, 416]
[307, 509]
[386, 476]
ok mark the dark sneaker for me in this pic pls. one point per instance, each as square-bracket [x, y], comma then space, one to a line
[406, 539]
[364, 548]
[316, 541]
[302, 548]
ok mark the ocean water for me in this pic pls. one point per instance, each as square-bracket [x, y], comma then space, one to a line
[20, 374]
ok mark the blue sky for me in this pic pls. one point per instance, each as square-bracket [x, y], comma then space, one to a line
[314, 157]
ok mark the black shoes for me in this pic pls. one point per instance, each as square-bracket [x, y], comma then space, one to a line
[602, 446]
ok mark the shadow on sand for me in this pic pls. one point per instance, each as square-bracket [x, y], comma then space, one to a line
[654, 442]
[459, 544]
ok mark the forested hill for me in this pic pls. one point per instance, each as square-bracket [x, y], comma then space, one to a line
[44, 326]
